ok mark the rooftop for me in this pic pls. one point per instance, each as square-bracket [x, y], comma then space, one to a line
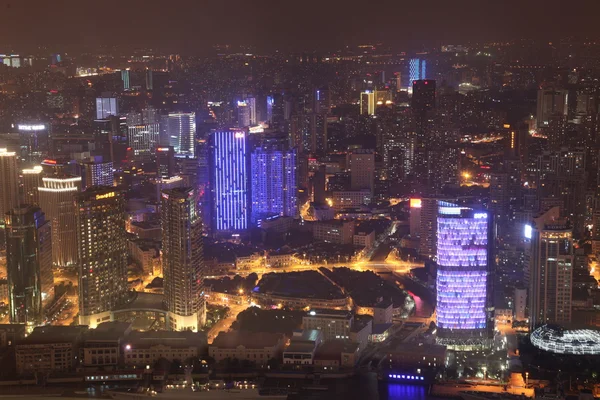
[332, 349]
[250, 340]
[182, 339]
[113, 330]
[54, 334]
[143, 301]
[319, 313]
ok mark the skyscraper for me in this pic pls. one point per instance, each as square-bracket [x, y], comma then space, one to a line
[143, 139]
[102, 249]
[362, 169]
[181, 129]
[465, 314]
[423, 97]
[550, 269]
[28, 264]
[367, 102]
[165, 162]
[97, 172]
[31, 179]
[273, 186]
[417, 70]
[182, 259]
[551, 102]
[9, 183]
[106, 106]
[229, 180]
[57, 201]
[125, 77]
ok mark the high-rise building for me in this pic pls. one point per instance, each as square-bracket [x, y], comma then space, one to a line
[362, 169]
[143, 139]
[31, 178]
[97, 172]
[102, 249]
[308, 133]
[550, 269]
[181, 129]
[229, 181]
[9, 183]
[106, 106]
[57, 201]
[423, 95]
[273, 182]
[417, 70]
[182, 258]
[243, 112]
[551, 102]
[367, 102]
[165, 162]
[464, 311]
[150, 115]
[125, 77]
[28, 264]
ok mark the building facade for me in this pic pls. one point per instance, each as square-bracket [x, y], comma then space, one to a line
[182, 258]
[102, 250]
[57, 201]
[229, 181]
[28, 264]
[464, 311]
[9, 182]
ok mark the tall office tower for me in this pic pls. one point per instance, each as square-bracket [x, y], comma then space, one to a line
[398, 80]
[165, 162]
[150, 115]
[143, 139]
[125, 77]
[57, 201]
[133, 118]
[149, 80]
[181, 129]
[28, 264]
[31, 178]
[323, 101]
[229, 180]
[428, 230]
[464, 311]
[9, 183]
[367, 102]
[415, 217]
[308, 133]
[423, 97]
[106, 106]
[251, 101]
[362, 169]
[243, 114]
[273, 182]
[560, 176]
[97, 172]
[551, 102]
[319, 182]
[102, 250]
[417, 70]
[182, 258]
[550, 269]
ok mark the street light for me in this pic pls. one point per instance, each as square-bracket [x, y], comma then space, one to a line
[526, 379]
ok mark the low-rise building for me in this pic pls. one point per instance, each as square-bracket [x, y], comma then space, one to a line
[102, 346]
[361, 330]
[380, 332]
[145, 348]
[335, 324]
[336, 354]
[364, 239]
[248, 262]
[277, 224]
[415, 355]
[10, 334]
[281, 260]
[146, 230]
[49, 349]
[334, 231]
[303, 346]
[146, 253]
[351, 198]
[258, 347]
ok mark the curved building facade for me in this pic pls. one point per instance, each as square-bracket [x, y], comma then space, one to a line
[555, 339]
[464, 282]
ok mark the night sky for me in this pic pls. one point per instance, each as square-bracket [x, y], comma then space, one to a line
[194, 25]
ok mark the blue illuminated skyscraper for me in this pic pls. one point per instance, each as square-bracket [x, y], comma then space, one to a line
[464, 280]
[229, 180]
[273, 172]
[417, 70]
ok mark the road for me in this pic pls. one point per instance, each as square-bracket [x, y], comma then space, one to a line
[224, 324]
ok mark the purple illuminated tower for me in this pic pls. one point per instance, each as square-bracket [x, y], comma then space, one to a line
[464, 278]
